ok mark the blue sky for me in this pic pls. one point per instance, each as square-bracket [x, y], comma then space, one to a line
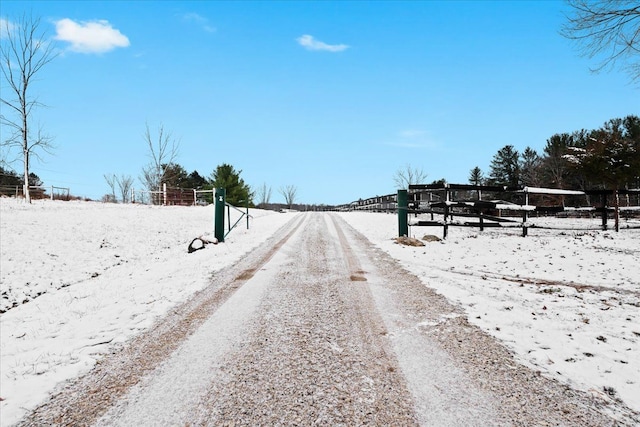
[332, 97]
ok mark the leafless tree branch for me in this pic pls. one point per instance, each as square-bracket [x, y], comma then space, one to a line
[606, 28]
[263, 194]
[111, 182]
[24, 51]
[163, 152]
[125, 183]
[408, 176]
[289, 192]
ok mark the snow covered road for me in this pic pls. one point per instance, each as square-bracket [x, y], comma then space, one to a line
[316, 326]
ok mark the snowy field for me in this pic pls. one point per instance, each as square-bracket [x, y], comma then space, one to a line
[86, 276]
[77, 278]
[567, 303]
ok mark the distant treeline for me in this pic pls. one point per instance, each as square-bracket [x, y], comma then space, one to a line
[604, 158]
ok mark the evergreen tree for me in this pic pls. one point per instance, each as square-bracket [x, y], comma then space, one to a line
[237, 192]
[9, 177]
[175, 176]
[195, 180]
[530, 165]
[611, 156]
[476, 177]
[631, 126]
[505, 167]
[554, 165]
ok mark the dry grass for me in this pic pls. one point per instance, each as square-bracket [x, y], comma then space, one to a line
[408, 241]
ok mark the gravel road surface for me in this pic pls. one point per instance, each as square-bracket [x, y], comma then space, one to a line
[317, 327]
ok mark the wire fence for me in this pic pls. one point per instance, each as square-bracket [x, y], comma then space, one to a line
[36, 192]
[173, 196]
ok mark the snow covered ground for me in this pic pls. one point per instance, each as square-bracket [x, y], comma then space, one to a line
[567, 303]
[79, 277]
[86, 276]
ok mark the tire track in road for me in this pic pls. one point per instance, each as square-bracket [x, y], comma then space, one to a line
[85, 399]
[316, 353]
[250, 272]
[458, 374]
[357, 274]
[443, 395]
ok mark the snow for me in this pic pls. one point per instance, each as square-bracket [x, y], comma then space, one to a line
[209, 343]
[104, 273]
[85, 276]
[566, 303]
[538, 190]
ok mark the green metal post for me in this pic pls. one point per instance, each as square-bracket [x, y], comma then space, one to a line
[220, 197]
[403, 224]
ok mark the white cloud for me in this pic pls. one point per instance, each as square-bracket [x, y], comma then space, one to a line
[6, 27]
[309, 43]
[199, 20]
[90, 37]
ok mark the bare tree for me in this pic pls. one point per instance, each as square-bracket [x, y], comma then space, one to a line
[289, 192]
[111, 182]
[125, 182]
[607, 28]
[408, 176]
[24, 50]
[163, 152]
[263, 194]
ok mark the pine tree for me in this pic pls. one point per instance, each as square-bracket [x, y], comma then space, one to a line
[505, 167]
[476, 177]
[237, 192]
[530, 163]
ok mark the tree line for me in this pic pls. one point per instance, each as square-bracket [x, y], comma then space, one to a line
[10, 178]
[174, 175]
[603, 158]
[164, 169]
[238, 192]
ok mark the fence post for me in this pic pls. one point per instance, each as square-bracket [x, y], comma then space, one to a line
[220, 199]
[52, 192]
[247, 213]
[164, 193]
[603, 198]
[403, 227]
